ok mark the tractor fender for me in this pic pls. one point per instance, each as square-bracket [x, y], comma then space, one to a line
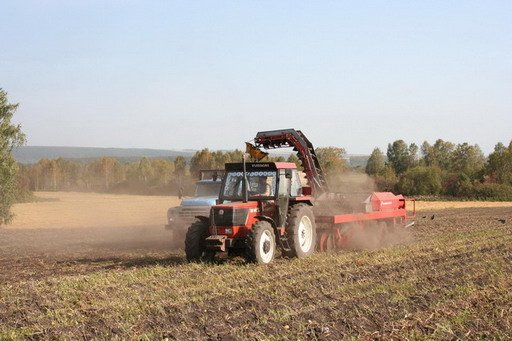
[269, 220]
[272, 223]
[306, 200]
[203, 219]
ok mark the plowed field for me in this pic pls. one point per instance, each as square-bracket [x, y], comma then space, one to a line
[70, 280]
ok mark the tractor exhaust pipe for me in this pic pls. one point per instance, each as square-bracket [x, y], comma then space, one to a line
[244, 183]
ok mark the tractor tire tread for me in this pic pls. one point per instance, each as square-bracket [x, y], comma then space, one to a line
[195, 241]
[251, 253]
[295, 213]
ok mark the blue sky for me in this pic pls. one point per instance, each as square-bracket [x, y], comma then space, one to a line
[193, 74]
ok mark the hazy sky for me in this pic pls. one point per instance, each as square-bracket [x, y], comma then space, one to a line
[193, 74]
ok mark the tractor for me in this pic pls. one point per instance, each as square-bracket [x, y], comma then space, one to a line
[263, 206]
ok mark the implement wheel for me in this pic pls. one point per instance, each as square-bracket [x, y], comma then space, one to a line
[261, 243]
[301, 231]
[195, 248]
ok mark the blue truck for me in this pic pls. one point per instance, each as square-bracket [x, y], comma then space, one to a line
[206, 194]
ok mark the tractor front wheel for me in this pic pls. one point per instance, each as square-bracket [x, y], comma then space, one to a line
[261, 243]
[195, 248]
[301, 231]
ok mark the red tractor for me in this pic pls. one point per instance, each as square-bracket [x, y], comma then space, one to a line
[263, 206]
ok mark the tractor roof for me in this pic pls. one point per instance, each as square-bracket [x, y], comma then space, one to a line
[252, 166]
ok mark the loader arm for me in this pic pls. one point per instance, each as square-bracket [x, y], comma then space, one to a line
[305, 152]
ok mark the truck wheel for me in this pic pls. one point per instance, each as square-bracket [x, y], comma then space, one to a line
[195, 247]
[301, 231]
[261, 243]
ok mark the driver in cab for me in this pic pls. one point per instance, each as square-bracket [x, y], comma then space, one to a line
[263, 187]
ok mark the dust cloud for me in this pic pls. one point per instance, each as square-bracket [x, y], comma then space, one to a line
[27, 254]
[351, 189]
[87, 242]
[73, 233]
[376, 236]
[89, 223]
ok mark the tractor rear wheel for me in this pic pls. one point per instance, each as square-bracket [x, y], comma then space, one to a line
[301, 231]
[195, 246]
[261, 243]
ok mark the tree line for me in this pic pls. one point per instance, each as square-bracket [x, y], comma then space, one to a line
[108, 174]
[146, 175]
[443, 168]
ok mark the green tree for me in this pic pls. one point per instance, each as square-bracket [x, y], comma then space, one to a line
[398, 156]
[468, 159]
[10, 137]
[438, 155]
[376, 163]
[413, 155]
[499, 164]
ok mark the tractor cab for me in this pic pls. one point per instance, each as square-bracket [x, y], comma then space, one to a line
[268, 189]
[261, 183]
[265, 181]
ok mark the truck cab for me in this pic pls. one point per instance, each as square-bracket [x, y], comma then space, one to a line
[205, 195]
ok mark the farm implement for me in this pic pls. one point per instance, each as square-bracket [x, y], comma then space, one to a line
[264, 206]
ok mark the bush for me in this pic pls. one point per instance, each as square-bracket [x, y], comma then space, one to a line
[421, 180]
[491, 191]
[457, 185]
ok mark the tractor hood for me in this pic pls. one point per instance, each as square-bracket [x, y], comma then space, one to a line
[238, 204]
[199, 201]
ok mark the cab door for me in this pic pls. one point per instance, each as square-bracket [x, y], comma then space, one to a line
[283, 196]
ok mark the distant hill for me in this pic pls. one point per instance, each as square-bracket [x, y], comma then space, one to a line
[32, 154]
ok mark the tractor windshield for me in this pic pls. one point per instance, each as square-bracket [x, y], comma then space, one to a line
[260, 184]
